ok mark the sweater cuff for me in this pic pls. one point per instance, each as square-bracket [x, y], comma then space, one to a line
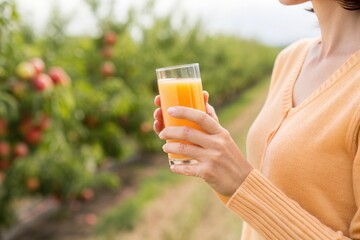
[274, 215]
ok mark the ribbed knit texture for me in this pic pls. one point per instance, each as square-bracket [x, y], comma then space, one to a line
[307, 158]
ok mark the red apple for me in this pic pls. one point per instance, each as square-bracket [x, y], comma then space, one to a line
[20, 150]
[4, 164]
[110, 38]
[33, 136]
[44, 122]
[25, 71]
[145, 127]
[42, 82]
[38, 64]
[32, 183]
[91, 121]
[91, 219]
[107, 69]
[87, 194]
[4, 149]
[25, 124]
[59, 76]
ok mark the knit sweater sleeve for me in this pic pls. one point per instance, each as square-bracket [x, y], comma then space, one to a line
[276, 216]
[273, 214]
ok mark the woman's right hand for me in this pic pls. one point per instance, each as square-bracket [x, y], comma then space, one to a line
[220, 162]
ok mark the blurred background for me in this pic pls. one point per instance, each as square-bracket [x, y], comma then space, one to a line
[78, 157]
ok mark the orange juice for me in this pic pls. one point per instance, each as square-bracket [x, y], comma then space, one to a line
[180, 92]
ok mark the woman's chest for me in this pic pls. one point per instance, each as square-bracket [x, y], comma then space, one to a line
[313, 75]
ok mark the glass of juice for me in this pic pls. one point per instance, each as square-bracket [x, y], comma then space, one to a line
[180, 86]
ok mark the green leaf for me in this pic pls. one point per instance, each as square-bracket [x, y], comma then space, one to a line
[8, 105]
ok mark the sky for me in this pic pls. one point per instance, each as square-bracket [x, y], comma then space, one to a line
[267, 21]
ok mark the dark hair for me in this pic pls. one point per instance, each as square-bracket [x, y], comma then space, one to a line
[350, 4]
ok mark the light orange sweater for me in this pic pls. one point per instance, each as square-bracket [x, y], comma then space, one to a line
[307, 158]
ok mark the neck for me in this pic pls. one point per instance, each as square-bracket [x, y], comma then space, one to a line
[340, 28]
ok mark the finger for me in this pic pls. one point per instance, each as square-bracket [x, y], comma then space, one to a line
[187, 169]
[185, 149]
[186, 133]
[158, 114]
[211, 111]
[201, 118]
[157, 101]
[158, 126]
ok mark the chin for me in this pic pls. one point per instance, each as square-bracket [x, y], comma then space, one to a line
[293, 2]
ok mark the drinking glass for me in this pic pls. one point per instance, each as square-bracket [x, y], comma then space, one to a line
[180, 86]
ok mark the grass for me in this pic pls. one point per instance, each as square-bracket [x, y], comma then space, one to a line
[187, 219]
[125, 216]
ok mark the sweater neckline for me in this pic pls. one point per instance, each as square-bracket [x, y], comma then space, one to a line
[289, 91]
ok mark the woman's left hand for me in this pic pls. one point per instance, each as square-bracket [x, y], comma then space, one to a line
[220, 162]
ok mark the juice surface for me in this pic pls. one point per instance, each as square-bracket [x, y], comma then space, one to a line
[180, 92]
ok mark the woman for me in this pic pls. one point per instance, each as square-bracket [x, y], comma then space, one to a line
[301, 176]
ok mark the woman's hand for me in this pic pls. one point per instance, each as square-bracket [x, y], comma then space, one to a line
[220, 162]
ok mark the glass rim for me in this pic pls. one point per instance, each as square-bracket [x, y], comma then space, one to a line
[177, 67]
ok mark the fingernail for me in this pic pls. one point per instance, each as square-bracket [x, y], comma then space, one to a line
[163, 148]
[171, 110]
